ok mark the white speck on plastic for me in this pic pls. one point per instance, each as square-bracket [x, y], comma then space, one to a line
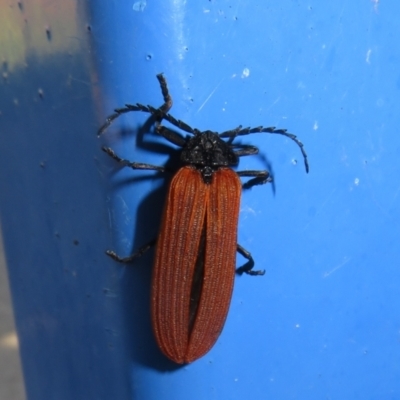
[139, 6]
[247, 210]
[376, 3]
[368, 57]
[315, 127]
[356, 181]
[245, 73]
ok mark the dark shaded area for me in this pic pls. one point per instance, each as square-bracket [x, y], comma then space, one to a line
[55, 230]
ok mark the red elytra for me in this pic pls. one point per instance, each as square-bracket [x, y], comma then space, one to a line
[199, 229]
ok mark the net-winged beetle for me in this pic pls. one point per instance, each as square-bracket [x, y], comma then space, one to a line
[195, 257]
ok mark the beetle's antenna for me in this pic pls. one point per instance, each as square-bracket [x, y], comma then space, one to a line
[271, 129]
[158, 113]
[119, 111]
[231, 134]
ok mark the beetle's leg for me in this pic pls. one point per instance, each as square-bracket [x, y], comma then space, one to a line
[179, 124]
[162, 112]
[260, 178]
[133, 165]
[130, 258]
[167, 106]
[160, 115]
[171, 136]
[245, 150]
[248, 267]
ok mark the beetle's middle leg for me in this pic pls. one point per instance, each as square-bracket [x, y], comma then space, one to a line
[248, 267]
[259, 178]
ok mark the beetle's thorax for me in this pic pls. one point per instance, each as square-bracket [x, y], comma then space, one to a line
[207, 152]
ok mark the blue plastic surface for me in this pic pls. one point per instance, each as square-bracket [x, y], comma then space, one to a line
[323, 322]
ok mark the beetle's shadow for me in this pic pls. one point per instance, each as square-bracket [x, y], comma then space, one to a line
[136, 282]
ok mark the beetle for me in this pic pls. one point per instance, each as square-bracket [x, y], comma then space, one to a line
[195, 256]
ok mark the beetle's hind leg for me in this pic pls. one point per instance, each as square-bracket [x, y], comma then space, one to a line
[135, 255]
[248, 267]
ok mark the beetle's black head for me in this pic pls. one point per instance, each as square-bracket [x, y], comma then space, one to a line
[208, 152]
